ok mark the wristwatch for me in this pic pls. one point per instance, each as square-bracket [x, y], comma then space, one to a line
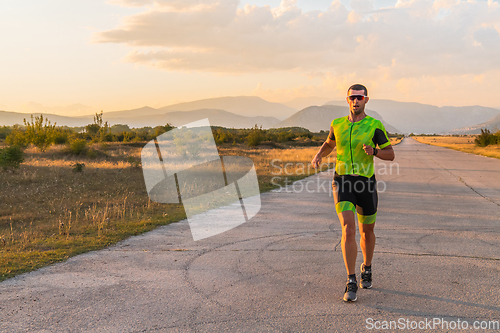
[375, 151]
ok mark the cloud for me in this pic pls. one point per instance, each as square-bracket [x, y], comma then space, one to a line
[411, 39]
[171, 5]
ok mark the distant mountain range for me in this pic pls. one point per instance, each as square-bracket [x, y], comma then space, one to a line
[245, 112]
[493, 125]
[424, 118]
[216, 117]
[147, 116]
[300, 103]
[8, 118]
[317, 118]
[240, 105]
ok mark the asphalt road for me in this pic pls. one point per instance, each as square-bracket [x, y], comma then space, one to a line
[437, 259]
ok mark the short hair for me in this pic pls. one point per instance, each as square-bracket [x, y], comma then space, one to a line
[358, 87]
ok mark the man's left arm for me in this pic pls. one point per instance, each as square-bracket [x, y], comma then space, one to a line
[385, 152]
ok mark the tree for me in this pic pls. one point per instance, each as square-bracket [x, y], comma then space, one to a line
[159, 130]
[100, 129]
[11, 157]
[487, 138]
[255, 137]
[119, 128]
[39, 132]
[16, 137]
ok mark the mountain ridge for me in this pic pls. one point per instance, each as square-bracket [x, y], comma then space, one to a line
[406, 117]
[412, 117]
[240, 105]
[317, 118]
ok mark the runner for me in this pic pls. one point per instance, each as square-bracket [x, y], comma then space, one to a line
[354, 186]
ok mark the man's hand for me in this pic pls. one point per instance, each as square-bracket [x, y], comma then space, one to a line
[368, 149]
[316, 161]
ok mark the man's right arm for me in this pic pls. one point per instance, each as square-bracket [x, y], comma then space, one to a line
[325, 149]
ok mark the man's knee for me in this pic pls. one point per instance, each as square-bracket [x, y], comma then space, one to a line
[348, 225]
[366, 231]
[349, 232]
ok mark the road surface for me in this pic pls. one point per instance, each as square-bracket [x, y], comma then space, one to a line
[437, 259]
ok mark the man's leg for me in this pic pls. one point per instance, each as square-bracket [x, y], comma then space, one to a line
[367, 242]
[349, 247]
[349, 251]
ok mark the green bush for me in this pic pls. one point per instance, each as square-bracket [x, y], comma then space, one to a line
[143, 134]
[255, 137]
[92, 129]
[99, 131]
[487, 138]
[17, 137]
[159, 130]
[91, 153]
[222, 135]
[78, 146]
[39, 132]
[78, 167]
[285, 136]
[119, 128]
[108, 137]
[128, 136]
[60, 137]
[11, 157]
[4, 131]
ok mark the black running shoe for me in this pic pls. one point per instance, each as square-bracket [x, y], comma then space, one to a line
[350, 291]
[366, 278]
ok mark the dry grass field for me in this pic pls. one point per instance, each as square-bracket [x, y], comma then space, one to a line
[461, 143]
[49, 212]
[395, 141]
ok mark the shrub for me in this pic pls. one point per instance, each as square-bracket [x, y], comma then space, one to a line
[108, 137]
[4, 131]
[60, 137]
[285, 136]
[17, 138]
[99, 130]
[11, 157]
[222, 135]
[143, 134]
[91, 153]
[92, 129]
[128, 136]
[134, 162]
[486, 138]
[77, 146]
[78, 167]
[159, 130]
[255, 137]
[119, 128]
[39, 132]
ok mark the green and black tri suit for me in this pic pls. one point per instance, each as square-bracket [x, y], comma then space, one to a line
[354, 184]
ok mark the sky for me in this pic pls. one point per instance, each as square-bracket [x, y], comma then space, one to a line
[79, 56]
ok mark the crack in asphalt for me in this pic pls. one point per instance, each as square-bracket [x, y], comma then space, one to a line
[438, 255]
[463, 182]
[385, 252]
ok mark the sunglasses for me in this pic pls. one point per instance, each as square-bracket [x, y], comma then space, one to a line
[358, 97]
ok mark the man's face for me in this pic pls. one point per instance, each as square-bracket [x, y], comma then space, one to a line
[356, 106]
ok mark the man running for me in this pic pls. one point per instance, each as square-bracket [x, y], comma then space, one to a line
[354, 186]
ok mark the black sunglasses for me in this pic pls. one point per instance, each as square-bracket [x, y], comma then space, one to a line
[358, 97]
